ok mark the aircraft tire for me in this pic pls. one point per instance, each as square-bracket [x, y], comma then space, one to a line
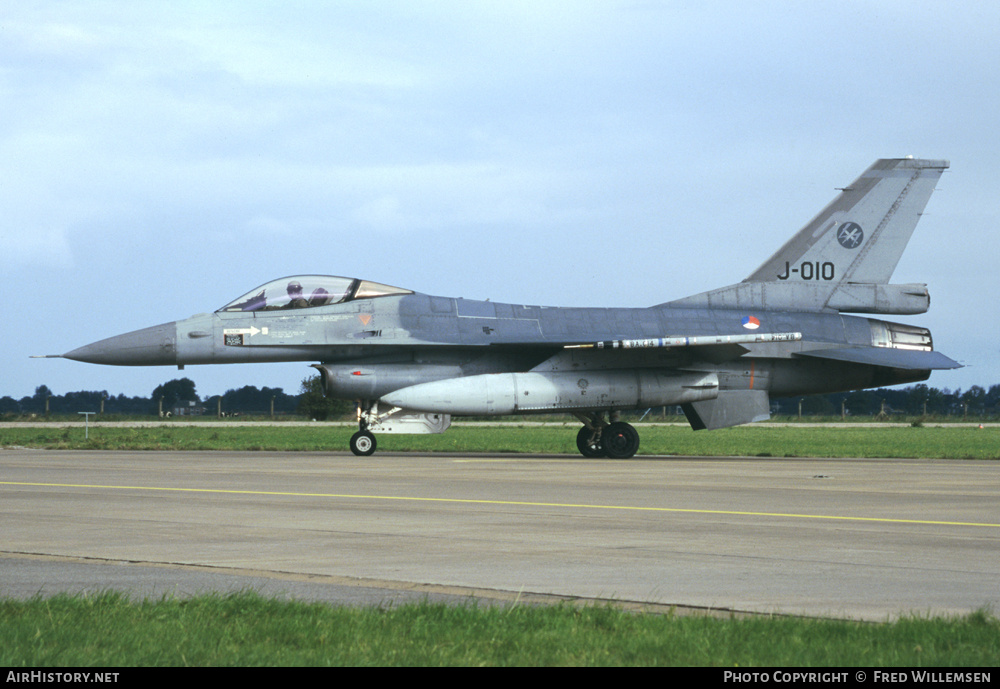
[363, 443]
[586, 447]
[620, 440]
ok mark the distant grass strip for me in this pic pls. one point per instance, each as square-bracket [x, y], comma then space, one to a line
[244, 629]
[754, 441]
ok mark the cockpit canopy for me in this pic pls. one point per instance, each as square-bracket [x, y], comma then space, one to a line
[308, 291]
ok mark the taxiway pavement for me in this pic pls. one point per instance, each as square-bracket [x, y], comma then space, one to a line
[867, 539]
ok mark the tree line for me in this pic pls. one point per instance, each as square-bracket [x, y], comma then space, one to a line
[179, 396]
[914, 400]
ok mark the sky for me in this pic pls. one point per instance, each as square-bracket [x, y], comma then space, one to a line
[162, 159]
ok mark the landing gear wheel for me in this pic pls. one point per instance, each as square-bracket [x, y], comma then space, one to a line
[620, 440]
[589, 443]
[363, 443]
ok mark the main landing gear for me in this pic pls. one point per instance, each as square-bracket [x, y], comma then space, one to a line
[599, 438]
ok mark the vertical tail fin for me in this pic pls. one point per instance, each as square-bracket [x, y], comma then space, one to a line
[843, 258]
[864, 231]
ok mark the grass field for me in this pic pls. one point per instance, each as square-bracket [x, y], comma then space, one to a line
[108, 630]
[762, 440]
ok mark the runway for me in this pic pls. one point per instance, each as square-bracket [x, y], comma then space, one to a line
[865, 539]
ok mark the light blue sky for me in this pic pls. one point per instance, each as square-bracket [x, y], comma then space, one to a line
[161, 159]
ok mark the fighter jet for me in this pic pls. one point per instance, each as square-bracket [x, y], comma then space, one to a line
[411, 361]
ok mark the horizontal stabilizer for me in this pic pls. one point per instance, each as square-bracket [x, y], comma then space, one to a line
[890, 357]
[730, 408]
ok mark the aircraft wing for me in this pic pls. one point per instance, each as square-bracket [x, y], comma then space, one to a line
[711, 348]
[695, 341]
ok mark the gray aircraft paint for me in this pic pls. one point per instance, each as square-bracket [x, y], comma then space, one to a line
[411, 360]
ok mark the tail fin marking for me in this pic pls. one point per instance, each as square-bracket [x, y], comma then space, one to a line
[847, 252]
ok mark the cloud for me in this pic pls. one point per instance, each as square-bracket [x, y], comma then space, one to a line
[645, 149]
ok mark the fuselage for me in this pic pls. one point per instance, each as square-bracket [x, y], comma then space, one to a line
[412, 360]
[368, 347]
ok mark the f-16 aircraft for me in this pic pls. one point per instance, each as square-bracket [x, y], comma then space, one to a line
[411, 361]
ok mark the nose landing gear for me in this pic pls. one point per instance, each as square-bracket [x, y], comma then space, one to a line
[363, 443]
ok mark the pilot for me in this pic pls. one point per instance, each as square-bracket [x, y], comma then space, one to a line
[295, 298]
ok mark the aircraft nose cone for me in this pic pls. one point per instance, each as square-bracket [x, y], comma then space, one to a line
[147, 347]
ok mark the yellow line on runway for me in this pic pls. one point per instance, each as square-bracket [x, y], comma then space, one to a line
[520, 503]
